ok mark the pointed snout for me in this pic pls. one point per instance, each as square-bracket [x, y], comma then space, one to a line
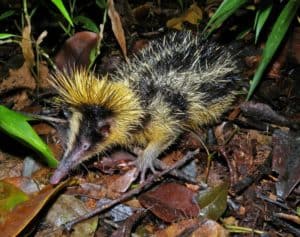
[70, 160]
[61, 172]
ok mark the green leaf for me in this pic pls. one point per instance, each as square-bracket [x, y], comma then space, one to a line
[243, 33]
[61, 7]
[101, 3]
[260, 19]
[180, 4]
[213, 202]
[92, 57]
[86, 23]
[10, 196]
[6, 36]
[225, 10]
[278, 32]
[6, 14]
[16, 125]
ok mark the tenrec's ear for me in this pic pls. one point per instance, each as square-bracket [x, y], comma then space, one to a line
[103, 127]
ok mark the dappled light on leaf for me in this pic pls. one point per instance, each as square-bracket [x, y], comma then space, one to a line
[213, 201]
[193, 16]
[24, 213]
[10, 196]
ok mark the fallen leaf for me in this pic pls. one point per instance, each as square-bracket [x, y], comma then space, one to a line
[23, 214]
[210, 228]
[118, 213]
[213, 201]
[195, 228]
[171, 202]
[193, 15]
[76, 51]
[67, 208]
[126, 228]
[263, 112]
[286, 161]
[122, 183]
[9, 198]
[117, 26]
[25, 184]
[177, 229]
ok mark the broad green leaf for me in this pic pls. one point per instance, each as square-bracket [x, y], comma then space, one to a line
[10, 196]
[278, 32]
[6, 14]
[260, 19]
[6, 36]
[213, 202]
[16, 125]
[87, 23]
[61, 7]
[225, 10]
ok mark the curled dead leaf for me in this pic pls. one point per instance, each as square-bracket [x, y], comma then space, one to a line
[117, 26]
[76, 50]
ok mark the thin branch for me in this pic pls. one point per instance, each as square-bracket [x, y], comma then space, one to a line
[148, 182]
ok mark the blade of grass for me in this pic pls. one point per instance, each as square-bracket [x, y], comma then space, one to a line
[260, 19]
[61, 7]
[6, 14]
[101, 4]
[225, 10]
[6, 36]
[278, 32]
[16, 126]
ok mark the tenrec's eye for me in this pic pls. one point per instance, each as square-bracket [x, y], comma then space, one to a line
[67, 113]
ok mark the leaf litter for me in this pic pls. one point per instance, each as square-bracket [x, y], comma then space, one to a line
[240, 154]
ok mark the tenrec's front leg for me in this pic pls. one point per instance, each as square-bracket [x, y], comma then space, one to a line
[148, 158]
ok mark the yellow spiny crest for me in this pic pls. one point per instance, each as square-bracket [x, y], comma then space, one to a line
[84, 88]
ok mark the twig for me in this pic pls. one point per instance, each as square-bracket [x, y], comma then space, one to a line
[148, 182]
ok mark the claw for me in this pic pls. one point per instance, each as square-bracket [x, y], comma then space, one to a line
[143, 166]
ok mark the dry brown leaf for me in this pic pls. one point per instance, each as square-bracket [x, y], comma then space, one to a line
[192, 15]
[117, 27]
[170, 202]
[122, 183]
[210, 228]
[24, 213]
[176, 229]
[76, 51]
